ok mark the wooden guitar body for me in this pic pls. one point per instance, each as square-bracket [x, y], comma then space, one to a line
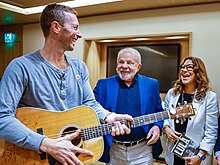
[57, 124]
[53, 124]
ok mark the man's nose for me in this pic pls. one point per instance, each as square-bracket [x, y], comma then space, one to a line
[79, 34]
[125, 65]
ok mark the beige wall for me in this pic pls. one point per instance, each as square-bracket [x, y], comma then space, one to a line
[33, 39]
[202, 21]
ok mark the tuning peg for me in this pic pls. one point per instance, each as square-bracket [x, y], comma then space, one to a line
[181, 121]
[185, 102]
[177, 121]
[173, 111]
[178, 104]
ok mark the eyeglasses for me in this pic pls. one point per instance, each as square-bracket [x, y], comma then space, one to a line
[187, 67]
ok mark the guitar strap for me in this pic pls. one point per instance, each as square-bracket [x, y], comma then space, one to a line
[43, 154]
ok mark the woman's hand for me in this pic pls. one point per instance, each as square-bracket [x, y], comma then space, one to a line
[218, 160]
[171, 134]
[193, 160]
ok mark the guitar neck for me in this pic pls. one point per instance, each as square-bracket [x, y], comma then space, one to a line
[104, 129]
[149, 119]
[96, 131]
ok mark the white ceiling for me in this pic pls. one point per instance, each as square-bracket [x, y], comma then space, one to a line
[9, 17]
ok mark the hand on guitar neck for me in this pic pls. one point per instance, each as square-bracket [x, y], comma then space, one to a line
[119, 128]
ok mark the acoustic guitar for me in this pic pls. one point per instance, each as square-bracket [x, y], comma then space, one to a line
[56, 124]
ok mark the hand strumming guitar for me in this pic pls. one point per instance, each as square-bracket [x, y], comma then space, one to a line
[63, 150]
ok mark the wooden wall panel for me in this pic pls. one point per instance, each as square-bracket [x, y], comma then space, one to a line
[99, 51]
[11, 50]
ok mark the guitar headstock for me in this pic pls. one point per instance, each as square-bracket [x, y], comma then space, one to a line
[182, 111]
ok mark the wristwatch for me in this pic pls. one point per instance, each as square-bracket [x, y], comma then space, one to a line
[202, 157]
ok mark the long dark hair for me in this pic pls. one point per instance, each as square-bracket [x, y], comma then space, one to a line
[202, 80]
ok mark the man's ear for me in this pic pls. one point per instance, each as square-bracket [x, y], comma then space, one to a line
[55, 27]
[139, 66]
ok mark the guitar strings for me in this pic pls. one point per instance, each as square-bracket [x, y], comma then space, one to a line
[96, 131]
[65, 133]
[136, 121]
[85, 130]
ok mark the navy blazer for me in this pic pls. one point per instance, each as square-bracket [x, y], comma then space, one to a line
[106, 92]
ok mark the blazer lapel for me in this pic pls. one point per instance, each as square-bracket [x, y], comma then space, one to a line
[196, 105]
[114, 93]
[143, 88]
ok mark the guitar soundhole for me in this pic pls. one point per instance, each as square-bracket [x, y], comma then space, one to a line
[76, 142]
[69, 130]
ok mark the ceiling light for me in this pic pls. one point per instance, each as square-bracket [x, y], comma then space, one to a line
[11, 8]
[107, 40]
[139, 39]
[39, 9]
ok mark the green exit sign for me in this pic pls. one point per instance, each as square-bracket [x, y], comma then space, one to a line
[9, 37]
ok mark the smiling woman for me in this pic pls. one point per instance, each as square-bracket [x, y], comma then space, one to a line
[192, 86]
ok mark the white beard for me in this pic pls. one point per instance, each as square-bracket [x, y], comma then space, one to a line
[127, 77]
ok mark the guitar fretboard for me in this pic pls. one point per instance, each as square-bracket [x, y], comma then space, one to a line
[96, 131]
[104, 129]
[148, 119]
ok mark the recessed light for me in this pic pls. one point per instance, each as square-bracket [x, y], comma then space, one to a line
[39, 9]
